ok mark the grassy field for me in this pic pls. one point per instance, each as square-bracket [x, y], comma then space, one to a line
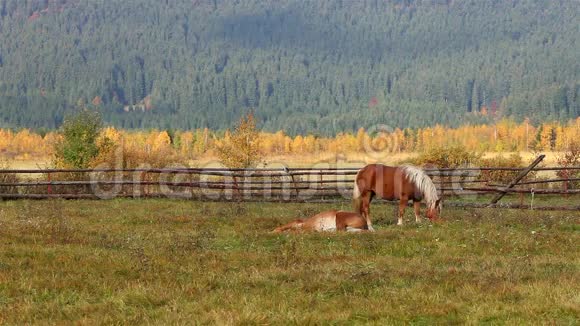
[32, 164]
[308, 160]
[178, 262]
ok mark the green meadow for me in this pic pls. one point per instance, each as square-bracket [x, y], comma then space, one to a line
[185, 262]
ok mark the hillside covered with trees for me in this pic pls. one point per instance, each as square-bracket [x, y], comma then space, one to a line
[318, 67]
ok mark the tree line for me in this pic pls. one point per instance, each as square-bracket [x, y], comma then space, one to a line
[161, 146]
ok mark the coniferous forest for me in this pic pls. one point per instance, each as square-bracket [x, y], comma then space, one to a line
[319, 67]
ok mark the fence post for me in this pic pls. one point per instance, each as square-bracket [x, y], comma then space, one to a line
[295, 186]
[49, 186]
[143, 185]
[520, 176]
[442, 181]
[566, 185]
[191, 185]
[320, 184]
[239, 195]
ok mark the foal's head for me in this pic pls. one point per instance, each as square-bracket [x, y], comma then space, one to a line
[433, 210]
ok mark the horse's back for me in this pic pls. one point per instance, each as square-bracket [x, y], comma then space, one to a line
[379, 179]
[324, 221]
[334, 220]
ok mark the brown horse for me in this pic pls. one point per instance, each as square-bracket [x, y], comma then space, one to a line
[327, 221]
[403, 182]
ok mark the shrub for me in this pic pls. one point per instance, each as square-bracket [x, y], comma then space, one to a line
[132, 157]
[79, 144]
[242, 148]
[7, 178]
[570, 157]
[500, 161]
[446, 157]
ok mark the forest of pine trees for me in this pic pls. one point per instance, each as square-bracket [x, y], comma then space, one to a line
[320, 67]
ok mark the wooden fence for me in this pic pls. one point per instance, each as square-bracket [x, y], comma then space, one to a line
[280, 185]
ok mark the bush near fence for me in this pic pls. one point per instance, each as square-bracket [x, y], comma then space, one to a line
[569, 158]
[504, 176]
[8, 178]
[446, 157]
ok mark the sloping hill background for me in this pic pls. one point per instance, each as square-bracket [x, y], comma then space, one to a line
[302, 66]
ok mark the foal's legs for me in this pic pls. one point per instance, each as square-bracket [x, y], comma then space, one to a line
[294, 225]
[366, 203]
[417, 207]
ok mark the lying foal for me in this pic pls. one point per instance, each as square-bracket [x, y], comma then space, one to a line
[328, 221]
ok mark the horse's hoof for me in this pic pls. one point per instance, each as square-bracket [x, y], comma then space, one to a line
[371, 229]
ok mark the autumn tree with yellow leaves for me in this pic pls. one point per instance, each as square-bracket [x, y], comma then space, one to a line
[241, 149]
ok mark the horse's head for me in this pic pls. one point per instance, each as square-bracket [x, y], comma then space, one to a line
[434, 210]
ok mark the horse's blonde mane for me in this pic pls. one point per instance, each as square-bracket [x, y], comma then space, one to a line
[423, 183]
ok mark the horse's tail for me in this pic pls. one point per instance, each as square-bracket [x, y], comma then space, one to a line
[357, 196]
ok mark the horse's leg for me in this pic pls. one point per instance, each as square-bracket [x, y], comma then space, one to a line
[417, 207]
[350, 222]
[297, 224]
[402, 204]
[366, 206]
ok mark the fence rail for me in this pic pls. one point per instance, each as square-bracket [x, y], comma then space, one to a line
[270, 184]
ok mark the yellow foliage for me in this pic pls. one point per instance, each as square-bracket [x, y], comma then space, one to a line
[162, 142]
[241, 149]
[446, 157]
[512, 161]
[505, 135]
